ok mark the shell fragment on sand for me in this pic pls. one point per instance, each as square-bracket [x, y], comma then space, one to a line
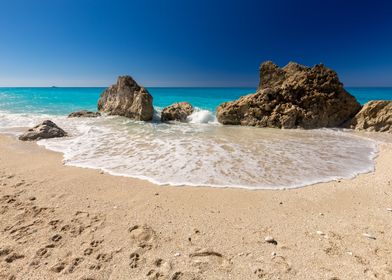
[205, 253]
[369, 236]
[271, 240]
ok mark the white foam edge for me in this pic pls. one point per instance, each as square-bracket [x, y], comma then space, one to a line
[372, 156]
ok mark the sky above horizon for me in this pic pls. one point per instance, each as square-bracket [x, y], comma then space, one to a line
[190, 43]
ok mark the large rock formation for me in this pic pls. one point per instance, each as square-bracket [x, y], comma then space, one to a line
[46, 129]
[374, 116]
[128, 99]
[290, 97]
[177, 112]
[84, 114]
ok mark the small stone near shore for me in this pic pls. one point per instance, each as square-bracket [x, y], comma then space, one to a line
[389, 209]
[46, 129]
[84, 114]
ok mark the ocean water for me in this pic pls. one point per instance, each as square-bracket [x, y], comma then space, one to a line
[200, 152]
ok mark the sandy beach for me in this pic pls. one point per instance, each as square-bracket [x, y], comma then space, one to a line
[61, 222]
[195, 140]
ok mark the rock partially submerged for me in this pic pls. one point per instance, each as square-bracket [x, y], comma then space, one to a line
[374, 116]
[84, 114]
[47, 129]
[177, 112]
[126, 98]
[291, 97]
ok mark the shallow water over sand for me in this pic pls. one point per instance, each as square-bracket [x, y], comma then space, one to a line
[209, 154]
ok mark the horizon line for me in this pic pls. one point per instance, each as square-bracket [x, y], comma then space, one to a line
[349, 86]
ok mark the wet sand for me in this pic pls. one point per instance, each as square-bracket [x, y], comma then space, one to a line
[61, 222]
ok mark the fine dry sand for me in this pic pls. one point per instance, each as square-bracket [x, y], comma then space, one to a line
[60, 222]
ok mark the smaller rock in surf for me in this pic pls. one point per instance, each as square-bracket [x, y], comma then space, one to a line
[177, 112]
[84, 114]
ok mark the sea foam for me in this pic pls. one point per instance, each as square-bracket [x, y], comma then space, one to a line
[213, 155]
[202, 116]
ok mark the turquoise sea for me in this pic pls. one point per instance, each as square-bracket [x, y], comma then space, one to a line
[61, 101]
[200, 152]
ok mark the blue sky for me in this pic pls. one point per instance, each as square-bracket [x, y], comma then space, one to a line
[190, 43]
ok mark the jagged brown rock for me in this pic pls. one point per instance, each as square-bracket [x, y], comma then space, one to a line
[291, 97]
[46, 129]
[84, 114]
[126, 98]
[177, 112]
[376, 115]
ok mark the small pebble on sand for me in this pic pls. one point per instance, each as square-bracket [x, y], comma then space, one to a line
[389, 209]
[369, 236]
[270, 239]
[320, 232]
[177, 254]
